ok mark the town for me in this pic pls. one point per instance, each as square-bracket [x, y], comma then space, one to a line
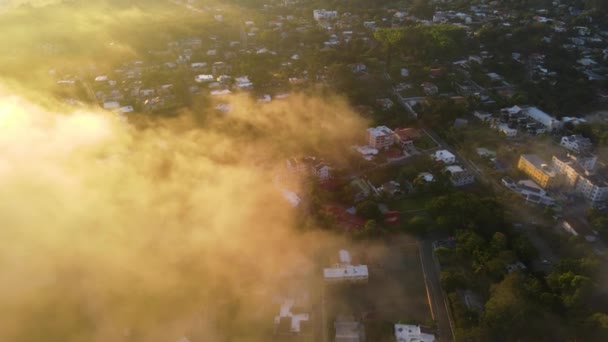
[482, 169]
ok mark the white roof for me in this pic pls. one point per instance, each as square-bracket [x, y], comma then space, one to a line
[291, 197]
[296, 319]
[101, 78]
[366, 150]
[126, 109]
[540, 116]
[411, 333]
[380, 130]
[454, 168]
[220, 92]
[427, 176]
[348, 271]
[443, 154]
[204, 78]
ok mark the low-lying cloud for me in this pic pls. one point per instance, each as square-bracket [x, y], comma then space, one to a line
[111, 232]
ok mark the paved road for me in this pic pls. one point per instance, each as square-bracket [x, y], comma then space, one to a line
[437, 300]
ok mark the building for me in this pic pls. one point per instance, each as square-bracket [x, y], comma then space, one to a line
[349, 330]
[411, 333]
[593, 187]
[567, 169]
[321, 170]
[576, 143]
[506, 130]
[345, 272]
[538, 170]
[380, 137]
[405, 136]
[444, 156]
[459, 176]
[542, 118]
[290, 321]
[322, 14]
[533, 193]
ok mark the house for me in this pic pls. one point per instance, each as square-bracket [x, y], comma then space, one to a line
[290, 321]
[538, 170]
[404, 137]
[444, 156]
[349, 330]
[204, 78]
[405, 72]
[483, 116]
[459, 176]
[322, 14]
[485, 153]
[411, 333]
[426, 176]
[345, 272]
[576, 143]
[380, 137]
[429, 88]
[391, 188]
[111, 105]
[243, 82]
[321, 170]
[506, 130]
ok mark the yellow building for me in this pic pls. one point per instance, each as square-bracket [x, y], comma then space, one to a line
[537, 170]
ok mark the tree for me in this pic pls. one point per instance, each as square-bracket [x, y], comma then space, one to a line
[369, 209]
[389, 38]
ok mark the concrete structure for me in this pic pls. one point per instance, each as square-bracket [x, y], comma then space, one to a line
[380, 137]
[344, 272]
[349, 330]
[411, 333]
[538, 170]
[444, 156]
[576, 143]
[580, 179]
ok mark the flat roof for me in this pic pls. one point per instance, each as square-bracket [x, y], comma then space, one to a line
[347, 271]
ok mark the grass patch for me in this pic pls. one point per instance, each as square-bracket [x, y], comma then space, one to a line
[408, 204]
[424, 142]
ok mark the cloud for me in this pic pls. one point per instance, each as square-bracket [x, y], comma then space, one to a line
[111, 231]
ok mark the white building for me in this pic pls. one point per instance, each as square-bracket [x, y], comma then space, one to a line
[380, 137]
[243, 82]
[460, 176]
[322, 14]
[411, 333]
[593, 187]
[543, 118]
[344, 272]
[576, 143]
[288, 322]
[444, 156]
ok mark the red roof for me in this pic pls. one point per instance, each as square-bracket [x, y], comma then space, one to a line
[348, 221]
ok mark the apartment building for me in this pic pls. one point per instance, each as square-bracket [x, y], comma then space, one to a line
[380, 137]
[539, 171]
